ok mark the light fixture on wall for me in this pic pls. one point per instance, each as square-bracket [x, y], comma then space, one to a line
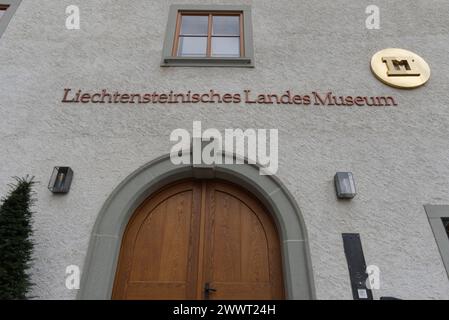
[344, 185]
[60, 180]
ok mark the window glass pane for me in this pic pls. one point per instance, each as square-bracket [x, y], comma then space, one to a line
[194, 25]
[226, 47]
[192, 46]
[1, 13]
[446, 225]
[226, 26]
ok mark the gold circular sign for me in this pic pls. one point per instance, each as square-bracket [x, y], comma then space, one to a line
[400, 68]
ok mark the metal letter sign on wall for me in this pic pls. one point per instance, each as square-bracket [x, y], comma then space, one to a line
[400, 68]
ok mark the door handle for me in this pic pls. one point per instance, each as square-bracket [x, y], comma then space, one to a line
[208, 289]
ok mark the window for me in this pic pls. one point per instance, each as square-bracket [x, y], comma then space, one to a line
[208, 36]
[3, 9]
[446, 225]
[439, 221]
[7, 9]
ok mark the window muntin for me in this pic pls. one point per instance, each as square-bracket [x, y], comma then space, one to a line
[209, 35]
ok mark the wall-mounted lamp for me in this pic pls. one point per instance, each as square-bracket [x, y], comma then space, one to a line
[344, 185]
[60, 180]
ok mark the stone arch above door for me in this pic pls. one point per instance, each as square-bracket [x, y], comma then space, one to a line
[102, 256]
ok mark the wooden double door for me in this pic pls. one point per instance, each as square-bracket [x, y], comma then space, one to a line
[200, 240]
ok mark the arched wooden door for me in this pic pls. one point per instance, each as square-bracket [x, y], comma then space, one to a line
[200, 240]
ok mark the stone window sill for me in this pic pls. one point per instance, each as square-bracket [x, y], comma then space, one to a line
[206, 62]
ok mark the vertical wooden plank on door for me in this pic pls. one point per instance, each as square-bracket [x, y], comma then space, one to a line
[158, 255]
[243, 259]
[201, 245]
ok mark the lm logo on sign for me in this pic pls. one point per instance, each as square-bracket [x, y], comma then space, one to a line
[400, 68]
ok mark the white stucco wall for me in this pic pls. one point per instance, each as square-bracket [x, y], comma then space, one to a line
[399, 155]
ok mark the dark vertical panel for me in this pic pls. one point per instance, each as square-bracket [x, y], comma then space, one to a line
[446, 225]
[356, 266]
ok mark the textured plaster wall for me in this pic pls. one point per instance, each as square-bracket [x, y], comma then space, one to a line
[399, 155]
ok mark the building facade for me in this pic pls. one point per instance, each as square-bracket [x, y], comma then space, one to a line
[105, 100]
